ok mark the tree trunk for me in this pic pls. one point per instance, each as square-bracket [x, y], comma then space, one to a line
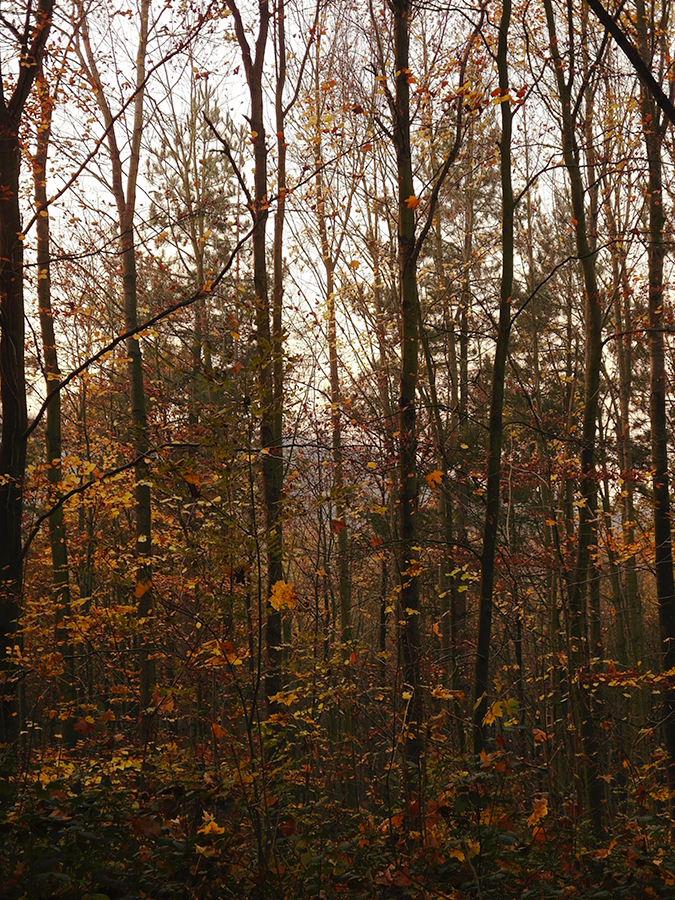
[14, 412]
[57, 527]
[587, 531]
[125, 201]
[490, 530]
[12, 364]
[270, 417]
[408, 555]
[277, 348]
[653, 129]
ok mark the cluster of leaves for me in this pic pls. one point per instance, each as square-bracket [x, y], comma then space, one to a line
[104, 821]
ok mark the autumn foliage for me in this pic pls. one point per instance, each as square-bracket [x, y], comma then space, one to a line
[335, 380]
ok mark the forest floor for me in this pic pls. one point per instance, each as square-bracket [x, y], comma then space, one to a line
[100, 823]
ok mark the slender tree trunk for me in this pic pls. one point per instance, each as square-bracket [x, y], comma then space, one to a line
[329, 258]
[629, 612]
[408, 555]
[490, 531]
[57, 527]
[587, 531]
[277, 348]
[270, 417]
[125, 201]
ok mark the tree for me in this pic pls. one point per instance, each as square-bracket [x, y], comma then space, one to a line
[52, 375]
[587, 530]
[270, 417]
[31, 39]
[651, 41]
[495, 428]
[125, 201]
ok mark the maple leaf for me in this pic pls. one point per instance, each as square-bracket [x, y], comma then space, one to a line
[495, 712]
[435, 477]
[283, 596]
[85, 725]
[412, 202]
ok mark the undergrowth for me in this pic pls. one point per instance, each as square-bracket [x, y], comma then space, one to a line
[104, 821]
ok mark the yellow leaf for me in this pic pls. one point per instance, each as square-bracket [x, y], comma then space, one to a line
[539, 810]
[495, 712]
[211, 828]
[456, 853]
[288, 698]
[441, 693]
[283, 596]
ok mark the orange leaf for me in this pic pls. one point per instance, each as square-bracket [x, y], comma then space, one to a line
[337, 525]
[142, 587]
[435, 477]
[412, 202]
[229, 651]
[539, 836]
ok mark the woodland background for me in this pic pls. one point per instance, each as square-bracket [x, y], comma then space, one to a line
[335, 374]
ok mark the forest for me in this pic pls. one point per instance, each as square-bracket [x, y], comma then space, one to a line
[336, 391]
